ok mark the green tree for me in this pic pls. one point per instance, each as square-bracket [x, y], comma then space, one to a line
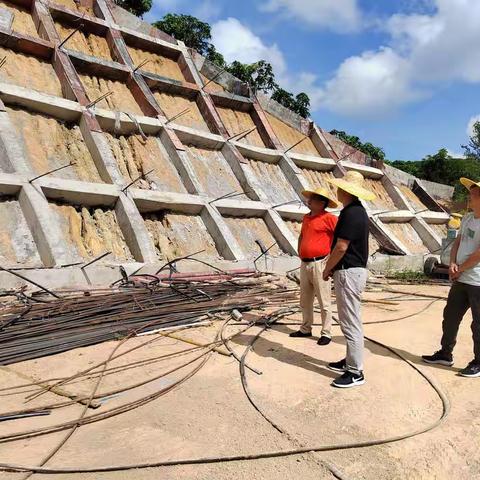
[411, 167]
[376, 153]
[258, 75]
[284, 98]
[302, 104]
[438, 168]
[215, 57]
[190, 30]
[443, 168]
[299, 104]
[472, 149]
[137, 7]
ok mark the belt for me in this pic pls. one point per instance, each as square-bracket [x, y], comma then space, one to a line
[314, 259]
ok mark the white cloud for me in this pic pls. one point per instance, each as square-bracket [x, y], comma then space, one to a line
[424, 52]
[371, 84]
[341, 16]
[454, 154]
[471, 123]
[207, 10]
[237, 42]
[442, 46]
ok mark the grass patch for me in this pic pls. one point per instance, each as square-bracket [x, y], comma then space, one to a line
[414, 276]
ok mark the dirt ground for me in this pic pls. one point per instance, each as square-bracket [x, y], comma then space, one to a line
[209, 415]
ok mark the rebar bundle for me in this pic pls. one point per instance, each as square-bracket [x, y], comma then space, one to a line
[40, 329]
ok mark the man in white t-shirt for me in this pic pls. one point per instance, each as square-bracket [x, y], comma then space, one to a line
[464, 271]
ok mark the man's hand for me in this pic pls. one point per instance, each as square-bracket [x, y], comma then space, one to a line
[453, 272]
[326, 274]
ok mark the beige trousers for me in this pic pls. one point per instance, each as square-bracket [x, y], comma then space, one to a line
[312, 285]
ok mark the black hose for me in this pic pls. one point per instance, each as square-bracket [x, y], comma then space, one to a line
[263, 455]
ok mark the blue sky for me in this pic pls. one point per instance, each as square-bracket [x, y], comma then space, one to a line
[402, 74]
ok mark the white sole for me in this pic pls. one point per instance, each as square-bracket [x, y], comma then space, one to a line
[338, 370]
[445, 363]
[475, 375]
[356, 384]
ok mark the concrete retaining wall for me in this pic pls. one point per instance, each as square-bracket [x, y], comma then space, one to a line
[211, 166]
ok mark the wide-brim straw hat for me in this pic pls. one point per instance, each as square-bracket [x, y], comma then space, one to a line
[332, 203]
[353, 183]
[467, 183]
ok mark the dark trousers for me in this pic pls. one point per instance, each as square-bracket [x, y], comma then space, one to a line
[460, 298]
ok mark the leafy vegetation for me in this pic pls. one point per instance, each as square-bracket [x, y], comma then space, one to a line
[408, 276]
[443, 168]
[137, 7]
[375, 153]
[258, 75]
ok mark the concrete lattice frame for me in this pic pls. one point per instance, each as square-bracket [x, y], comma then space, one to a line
[93, 122]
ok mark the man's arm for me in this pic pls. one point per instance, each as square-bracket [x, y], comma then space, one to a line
[298, 245]
[453, 267]
[337, 254]
[472, 261]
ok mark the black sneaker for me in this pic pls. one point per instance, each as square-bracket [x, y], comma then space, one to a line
[324, 340]
[439, 358]
[340, 366]
[349, 379]
[471, 370]
[300, 334]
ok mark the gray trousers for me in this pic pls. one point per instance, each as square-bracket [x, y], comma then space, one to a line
[460, 298]
[349, 285]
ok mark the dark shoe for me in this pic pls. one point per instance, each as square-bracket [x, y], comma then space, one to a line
[471, 370]
[349, 379]
[439, 358]
[340, 366]
[300, 334]
[323, 340]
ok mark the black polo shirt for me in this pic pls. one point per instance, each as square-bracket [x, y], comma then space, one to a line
[353, 226]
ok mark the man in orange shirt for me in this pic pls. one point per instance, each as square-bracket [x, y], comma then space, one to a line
[314, 246]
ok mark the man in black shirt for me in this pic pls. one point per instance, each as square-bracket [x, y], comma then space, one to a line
[347, 263]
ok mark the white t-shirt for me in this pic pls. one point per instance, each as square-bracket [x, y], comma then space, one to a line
[470, 232]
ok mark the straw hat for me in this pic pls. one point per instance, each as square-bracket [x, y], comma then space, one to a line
[353, 183]
[324, 193]
[467, 183]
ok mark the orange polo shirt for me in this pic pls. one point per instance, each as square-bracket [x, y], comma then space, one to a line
[317, 235]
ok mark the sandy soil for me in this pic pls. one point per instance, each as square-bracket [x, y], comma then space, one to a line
[212, 86]
[412, 199]
[407, 234]
[164, 66]
[383, 200]
[318, 178]
[29, 72]
[76, 6]
[247, 230]
[289, 136]
[137, 156]
[22, 20]
[121, 99]
[84, 42]
[175, 235]
[92, 231]
[209, 415]
[173, 105]
[51, 143]
[237, 122]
